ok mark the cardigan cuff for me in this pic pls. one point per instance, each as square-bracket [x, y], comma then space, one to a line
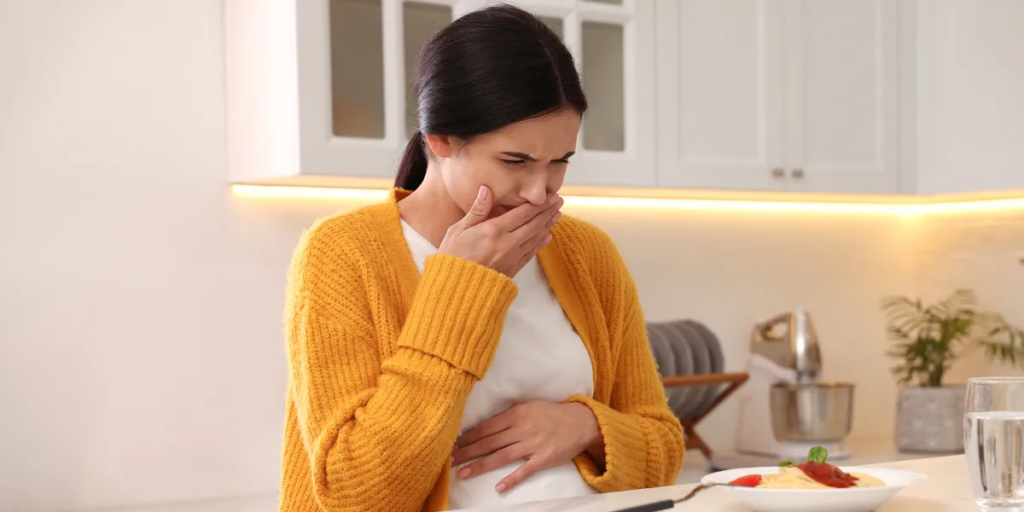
[625, 450]
[458, 312]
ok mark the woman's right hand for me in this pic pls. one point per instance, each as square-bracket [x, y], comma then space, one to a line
[505, 243]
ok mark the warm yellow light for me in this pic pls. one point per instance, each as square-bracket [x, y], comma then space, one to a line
[341, 194]
[911, 206]
[972, 206]
[732, 205]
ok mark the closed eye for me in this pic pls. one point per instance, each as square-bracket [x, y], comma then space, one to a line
[513, 162]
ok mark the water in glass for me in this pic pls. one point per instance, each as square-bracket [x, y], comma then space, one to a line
[994, 445]
[994, 441]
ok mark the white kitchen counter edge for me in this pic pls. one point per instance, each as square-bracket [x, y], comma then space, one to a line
[948, 490]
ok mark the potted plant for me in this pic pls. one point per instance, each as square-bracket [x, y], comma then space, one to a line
[927, 340]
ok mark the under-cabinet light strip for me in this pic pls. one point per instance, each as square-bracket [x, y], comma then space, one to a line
[903, 208]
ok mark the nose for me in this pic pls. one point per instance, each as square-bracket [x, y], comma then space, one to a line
[534, 189]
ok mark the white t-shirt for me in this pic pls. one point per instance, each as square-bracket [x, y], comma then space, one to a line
[539, 357]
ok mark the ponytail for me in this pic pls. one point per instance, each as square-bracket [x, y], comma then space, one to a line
[413, 168]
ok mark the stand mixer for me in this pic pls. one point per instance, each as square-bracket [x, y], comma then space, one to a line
[785, 407]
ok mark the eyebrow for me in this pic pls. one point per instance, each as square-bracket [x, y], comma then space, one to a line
[528, 158]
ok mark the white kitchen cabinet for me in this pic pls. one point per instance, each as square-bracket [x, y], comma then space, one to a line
[319, 91]
[795, 95]
[720, 116]
[316, 90]
[842, 96]
[847, 96]
[969, 94]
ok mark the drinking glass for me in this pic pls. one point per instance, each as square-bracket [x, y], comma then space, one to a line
[994, 441]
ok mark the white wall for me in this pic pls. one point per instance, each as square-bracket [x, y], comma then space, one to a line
[139, 306]
[140, 302]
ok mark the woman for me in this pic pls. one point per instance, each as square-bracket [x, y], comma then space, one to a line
[434, 362]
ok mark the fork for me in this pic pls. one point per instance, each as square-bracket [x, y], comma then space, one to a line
[668, 504]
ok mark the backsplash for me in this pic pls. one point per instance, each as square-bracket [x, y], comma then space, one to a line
[980, 250]
[730, 269]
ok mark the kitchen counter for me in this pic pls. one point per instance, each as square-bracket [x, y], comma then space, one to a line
[947, 490]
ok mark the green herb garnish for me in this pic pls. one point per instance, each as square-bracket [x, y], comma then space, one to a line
[817, 454]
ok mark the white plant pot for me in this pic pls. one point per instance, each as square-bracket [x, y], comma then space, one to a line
[931, 420]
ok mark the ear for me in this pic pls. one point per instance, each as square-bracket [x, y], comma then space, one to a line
[443, 146]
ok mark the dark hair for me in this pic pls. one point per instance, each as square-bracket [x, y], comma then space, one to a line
[487, 69]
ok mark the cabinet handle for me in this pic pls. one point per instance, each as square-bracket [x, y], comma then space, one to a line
[778, 172]
[798, 173]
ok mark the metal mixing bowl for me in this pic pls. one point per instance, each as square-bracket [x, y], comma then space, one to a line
[811, 412]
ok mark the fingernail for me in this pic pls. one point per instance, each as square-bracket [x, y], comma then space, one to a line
[482, 194]
[557, 216]
[464, 472]
[500, 487]
[547, 239]
[453, 460]
[553, 199]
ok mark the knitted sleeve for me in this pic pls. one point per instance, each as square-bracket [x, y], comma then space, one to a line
[378, 430]
[643, 440]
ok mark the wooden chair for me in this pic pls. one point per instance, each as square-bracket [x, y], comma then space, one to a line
[734, 381]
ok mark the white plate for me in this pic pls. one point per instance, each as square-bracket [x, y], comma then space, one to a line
[860, 499]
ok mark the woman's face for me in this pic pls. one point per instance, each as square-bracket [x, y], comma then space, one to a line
[521, 163]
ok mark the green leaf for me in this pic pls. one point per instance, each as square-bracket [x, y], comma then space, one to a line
[817, 454]
[785, 464]
[926, 340]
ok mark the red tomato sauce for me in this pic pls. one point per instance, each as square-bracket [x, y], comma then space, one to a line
[827, 474]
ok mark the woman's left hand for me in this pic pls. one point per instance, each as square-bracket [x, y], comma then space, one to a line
[545, 434]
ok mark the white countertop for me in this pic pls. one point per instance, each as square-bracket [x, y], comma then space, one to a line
[947, 490]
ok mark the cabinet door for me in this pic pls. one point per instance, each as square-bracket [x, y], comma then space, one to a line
[971, 96]
[720, 94]
[612, 42]
[841, 91]
[356, 110]
[354, 65]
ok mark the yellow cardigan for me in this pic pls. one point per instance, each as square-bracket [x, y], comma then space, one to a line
[381, 361]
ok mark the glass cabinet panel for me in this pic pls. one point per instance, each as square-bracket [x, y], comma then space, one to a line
[603, 124]
[357, 68]
[420, 22]
[555, 24]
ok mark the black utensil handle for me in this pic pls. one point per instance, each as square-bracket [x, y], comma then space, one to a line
[650, 507]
